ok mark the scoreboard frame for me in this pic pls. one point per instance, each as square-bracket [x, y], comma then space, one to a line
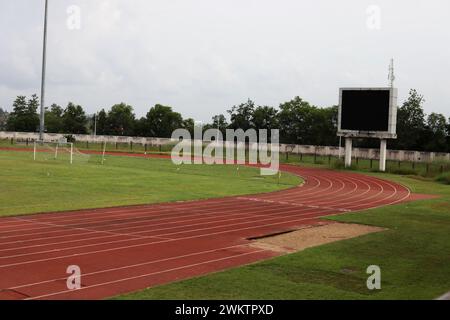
[390, 133]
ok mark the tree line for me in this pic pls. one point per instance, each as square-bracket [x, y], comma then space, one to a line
[299, 122]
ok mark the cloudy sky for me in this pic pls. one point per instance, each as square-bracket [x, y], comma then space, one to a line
[203, 56]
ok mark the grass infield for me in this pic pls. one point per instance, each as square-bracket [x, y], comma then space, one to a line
[47, 185]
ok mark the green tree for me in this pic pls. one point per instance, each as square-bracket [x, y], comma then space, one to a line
[411, 123]
[162, 121]
[436, 127]
[296, 120]
[448, 136]
[54, 119]
[102, 123]
[241, 115]
[325, 126]
[265, 118]
[121, 120]
[24, 116]
[189, 125]
[74, 119]
[3, 119]
[140, 127]
[219, 122]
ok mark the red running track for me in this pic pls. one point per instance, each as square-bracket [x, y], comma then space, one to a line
[124, 249]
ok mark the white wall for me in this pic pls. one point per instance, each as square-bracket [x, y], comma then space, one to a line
[398, 155]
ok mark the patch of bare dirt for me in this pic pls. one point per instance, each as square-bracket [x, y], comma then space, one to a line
[313, 236]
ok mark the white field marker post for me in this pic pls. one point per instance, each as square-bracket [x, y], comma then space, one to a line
[383, 146]
[71, 153]
[104, 150]
[56, 151]
[34, 151]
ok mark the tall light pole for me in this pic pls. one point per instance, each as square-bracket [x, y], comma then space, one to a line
[44, 62]
[95, 126]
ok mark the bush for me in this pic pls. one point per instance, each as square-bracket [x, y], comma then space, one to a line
[340, 165]
[444, 178]
[403, 171]
[70, 138]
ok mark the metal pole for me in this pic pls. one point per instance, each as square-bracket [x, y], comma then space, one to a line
[71, 153]
[44, 62]
[95, 126]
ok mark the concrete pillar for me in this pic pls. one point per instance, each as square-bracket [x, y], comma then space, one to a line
[383, 152]
[348, 152]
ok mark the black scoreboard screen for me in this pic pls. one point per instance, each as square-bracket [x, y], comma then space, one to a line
[365, 110]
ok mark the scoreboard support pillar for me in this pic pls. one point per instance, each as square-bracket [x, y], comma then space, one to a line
[348, 152]
[383, 151]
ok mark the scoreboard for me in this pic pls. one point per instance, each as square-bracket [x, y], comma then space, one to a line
[368, 112]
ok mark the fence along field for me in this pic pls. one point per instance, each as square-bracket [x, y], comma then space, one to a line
[429, 164]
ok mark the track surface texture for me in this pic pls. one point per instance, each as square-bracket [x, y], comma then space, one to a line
[124, 249]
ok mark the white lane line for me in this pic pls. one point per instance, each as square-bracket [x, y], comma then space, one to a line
[146, 275]
[150, 217]
[272, 217]
[129, 266]
[207, 213]
[211, 215]
[157, 242]
[245, 216]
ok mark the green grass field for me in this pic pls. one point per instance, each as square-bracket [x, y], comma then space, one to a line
[414, 256]
[46, 184]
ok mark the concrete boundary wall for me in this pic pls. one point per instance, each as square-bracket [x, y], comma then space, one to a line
[363, 153]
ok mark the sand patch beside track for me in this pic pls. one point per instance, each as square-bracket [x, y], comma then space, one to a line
[313, 236]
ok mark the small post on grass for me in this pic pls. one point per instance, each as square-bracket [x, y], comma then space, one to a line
[103, 154]
[34, 150]
[56, 151]
[279, 176]
[71, 153]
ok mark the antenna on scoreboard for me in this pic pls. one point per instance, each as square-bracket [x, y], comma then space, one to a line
[391, 76]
